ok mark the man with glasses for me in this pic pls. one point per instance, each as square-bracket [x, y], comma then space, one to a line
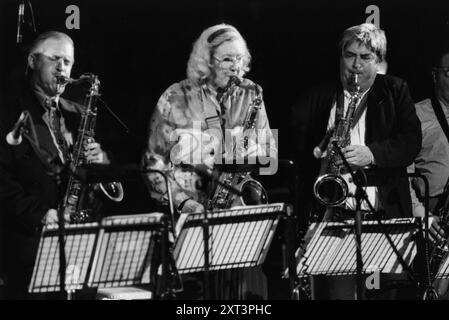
[433, 158]
[384, 136]
[32, 178]
[194, 118]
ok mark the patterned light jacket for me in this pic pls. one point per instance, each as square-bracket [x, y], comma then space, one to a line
[178, 132]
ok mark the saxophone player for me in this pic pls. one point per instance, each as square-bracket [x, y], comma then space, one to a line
[30, 168]
[433, 158]
[193, 117]
[385, 133]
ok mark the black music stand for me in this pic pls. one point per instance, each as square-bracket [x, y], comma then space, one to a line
[330, 248]
[443, 271]
[240, 238]
[127, 246]
[117, 252]
[80, 245]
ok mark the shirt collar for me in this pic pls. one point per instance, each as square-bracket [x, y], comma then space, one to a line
[444, 105]
[44, 100]
[348, 95]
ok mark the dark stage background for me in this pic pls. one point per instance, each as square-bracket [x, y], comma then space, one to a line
[139, 48]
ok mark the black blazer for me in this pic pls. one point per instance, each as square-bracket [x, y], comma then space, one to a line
[28, 187]
[393, 134]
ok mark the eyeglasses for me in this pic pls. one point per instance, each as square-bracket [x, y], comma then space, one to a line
[445, 70]
[228, 61]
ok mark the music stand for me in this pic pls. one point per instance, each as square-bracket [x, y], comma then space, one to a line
[331, 248]
[80, 244]
[239, 238]
[443, 271]
[126, 247]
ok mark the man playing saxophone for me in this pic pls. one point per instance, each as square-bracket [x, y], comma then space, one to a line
[31, 176]
[384, 135]
[195, 120]
[433, 158]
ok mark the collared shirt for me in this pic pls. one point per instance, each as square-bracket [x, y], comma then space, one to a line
[181, 108]
[357, 138]
[47, 103]
[433, 158]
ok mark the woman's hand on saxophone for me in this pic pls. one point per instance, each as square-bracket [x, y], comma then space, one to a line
[254, 150]
[94, 154]
[51, 217]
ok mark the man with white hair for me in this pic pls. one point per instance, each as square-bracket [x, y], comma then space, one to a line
[32, 179]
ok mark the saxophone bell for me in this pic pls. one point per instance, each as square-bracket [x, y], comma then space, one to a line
[112, 190]
[331, 190]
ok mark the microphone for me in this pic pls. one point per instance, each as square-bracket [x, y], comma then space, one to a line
[208, 174]
[20, 20]
[14, 138]
[319, 149]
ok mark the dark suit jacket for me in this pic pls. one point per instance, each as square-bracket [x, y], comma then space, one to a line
[28, 187]
[393, 134]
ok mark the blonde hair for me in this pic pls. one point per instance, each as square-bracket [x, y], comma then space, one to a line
[198, 66]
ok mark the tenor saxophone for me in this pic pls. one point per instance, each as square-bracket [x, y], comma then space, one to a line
[76, 190]
[252, 192]
[331, 189]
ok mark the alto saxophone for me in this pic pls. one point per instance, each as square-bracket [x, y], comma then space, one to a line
[330, 189]
[252, 191]
[76, 190]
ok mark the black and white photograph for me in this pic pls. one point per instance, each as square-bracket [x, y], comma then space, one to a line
[224, 154]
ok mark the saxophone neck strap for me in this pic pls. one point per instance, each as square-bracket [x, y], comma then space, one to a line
[438, 109]
[339, 110]
[211, 116]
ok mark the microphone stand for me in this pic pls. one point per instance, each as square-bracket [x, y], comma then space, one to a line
[429, 292]
[360, 195]
[203, 173]
[30, 135]
[290, 229]
[206, 234]
[168, 291]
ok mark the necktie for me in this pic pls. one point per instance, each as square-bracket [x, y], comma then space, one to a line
[55, 124]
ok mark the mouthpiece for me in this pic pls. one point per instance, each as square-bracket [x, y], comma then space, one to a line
[62, 80]
[234, 81]
[65, 80]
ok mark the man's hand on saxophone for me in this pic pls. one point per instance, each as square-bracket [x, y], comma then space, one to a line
[357, 156]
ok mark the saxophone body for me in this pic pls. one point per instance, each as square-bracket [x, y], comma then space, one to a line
[78, 201]
[331, 189]
[252, 191]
